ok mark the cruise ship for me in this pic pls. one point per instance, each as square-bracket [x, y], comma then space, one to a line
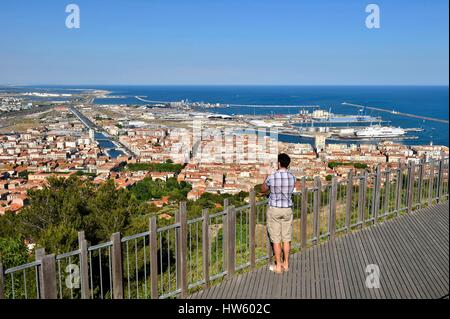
[378, 131]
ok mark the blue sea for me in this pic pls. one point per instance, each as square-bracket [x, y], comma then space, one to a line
[431, 101]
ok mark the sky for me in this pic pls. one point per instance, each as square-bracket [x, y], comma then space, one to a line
[217, 42]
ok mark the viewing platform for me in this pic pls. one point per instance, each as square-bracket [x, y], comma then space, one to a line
[387, 227]
[411, 251]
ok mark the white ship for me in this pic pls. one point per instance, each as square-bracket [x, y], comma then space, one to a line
[378, 131]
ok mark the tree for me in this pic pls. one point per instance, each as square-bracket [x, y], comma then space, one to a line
[110, 210]
[13, 251]
[63, 201]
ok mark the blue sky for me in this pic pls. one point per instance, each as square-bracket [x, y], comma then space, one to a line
[294, 42]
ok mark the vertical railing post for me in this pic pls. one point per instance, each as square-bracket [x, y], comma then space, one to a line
[430, 183]
[252, 230]
[84, 271]
[387, 192]
[39, 253]
[225, 234]
[116, 260]
[269, 245]
[377, 194]
[153, 244]
[361, 199]
[205, 247]
[304, 212]
[183, 250]
[446, 175]
[365, 185]
[47, 277]
[231, 241]
[349, 200]
[2, 281]
[316, 209]
[410, 189]
[440, 179]
[420, 183]
[177, 251]
[398, 188]
[333, 203]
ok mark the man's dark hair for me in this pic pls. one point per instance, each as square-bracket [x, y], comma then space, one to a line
[284, 160]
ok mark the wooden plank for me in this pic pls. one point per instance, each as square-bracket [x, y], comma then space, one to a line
[431, 182]
[301, 290]
[47, 277]
[153, 246]
[346, 275]
[349, 200]
[338, 271]
[252, 230]
[398, 277]
[407, 231]
[387, 193]
[363, 252]
[405, 273]
[303, 216]
[333, 277]
[116, 260]
[252, 285]
[357, 268]
[420, 184]
[316, 292]
[225, 233]
[177, 250]
[418, 252]
[388, 252]
[377, 194]
[333, 200]
[183, 250]
[231, 241]
[263, 286]
[316, 209]
[398, 188]
[369, 243]
[410, 189]
[348, 260]
[205, 247]
[308, 273]
[361, 203]
[407, 249]
[437, 269]
[330, 292]
[84, 267]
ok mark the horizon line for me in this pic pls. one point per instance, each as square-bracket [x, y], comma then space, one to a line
[209, 84]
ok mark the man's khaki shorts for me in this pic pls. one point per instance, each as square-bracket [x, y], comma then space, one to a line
[279, 224]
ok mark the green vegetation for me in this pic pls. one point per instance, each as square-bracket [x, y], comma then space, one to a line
[148, 189]
[24, 174]
[58, 211]
[355, 165]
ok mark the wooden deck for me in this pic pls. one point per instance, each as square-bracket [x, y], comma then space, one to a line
[412, 252]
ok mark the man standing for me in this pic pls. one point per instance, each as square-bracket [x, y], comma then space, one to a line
[279, 214]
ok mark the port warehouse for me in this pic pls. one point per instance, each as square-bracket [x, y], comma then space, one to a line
[179, 259]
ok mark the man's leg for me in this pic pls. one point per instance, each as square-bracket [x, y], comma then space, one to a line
[286, 229]
[286, 250]
[277, 252]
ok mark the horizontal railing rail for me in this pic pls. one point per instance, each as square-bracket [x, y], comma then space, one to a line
[172, 261]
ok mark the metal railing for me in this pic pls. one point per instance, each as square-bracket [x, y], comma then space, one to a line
[174, 260]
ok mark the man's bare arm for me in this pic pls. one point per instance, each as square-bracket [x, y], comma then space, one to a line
[264, 187]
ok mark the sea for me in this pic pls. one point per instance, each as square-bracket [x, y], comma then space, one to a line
[429, 101]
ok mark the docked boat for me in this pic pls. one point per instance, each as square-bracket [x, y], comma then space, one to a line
[378, 131]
